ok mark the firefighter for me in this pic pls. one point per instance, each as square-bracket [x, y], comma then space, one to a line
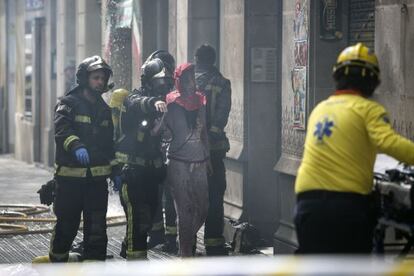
[84, 160]
[334, 209]
[218, 92]
[165, 214]
[139, 149]
[188, 157]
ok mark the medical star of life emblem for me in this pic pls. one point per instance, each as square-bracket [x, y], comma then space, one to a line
[323, 128]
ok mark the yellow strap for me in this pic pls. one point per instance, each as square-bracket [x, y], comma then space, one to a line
[83, 119]
[72, 172]
[101, 170]
[69, 140]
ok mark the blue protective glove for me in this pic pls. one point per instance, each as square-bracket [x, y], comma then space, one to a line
[82, 156]
[117, 183]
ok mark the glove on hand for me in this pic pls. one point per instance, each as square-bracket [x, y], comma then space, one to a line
[47, 192]
[82, 156]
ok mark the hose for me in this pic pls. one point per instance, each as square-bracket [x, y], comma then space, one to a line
[7, 229]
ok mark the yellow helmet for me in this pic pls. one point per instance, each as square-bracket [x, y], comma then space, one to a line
[358, 55]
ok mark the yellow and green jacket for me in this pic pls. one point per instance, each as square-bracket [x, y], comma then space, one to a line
[345, 133]
[78, 124]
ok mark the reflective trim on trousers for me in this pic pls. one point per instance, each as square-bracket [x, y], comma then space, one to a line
[214, 242]
[136, 255]
[156, 226]
[129, 234]
[171, 230]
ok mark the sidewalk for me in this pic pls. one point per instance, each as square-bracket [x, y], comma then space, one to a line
[19, 182]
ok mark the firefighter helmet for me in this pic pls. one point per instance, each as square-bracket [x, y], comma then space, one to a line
[167, 59]
[357, 56]
[89, 65]
[157, 71]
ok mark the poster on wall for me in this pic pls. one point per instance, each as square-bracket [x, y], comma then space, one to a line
[300, 24]
[300, 69]
[299, 97]
[301, 53]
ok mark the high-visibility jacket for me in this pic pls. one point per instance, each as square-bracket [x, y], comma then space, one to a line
[345, 133]
[137, 145]
[217, 89]
[78, 123]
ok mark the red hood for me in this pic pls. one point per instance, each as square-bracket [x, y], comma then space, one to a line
[190, 102]
[179, 71]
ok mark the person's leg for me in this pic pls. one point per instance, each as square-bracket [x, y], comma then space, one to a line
[156, 235]
[139, 212]
[170, 245]
[333, 226]
[95, 202]
[178, 179]
[199, 195]
[122, 253]
[68, 209]
[213, 232]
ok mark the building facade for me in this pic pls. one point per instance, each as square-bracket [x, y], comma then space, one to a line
[278, 55]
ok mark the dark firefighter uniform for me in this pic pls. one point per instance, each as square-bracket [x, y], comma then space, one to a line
[82, 189]
[144, 170]
[218, 92]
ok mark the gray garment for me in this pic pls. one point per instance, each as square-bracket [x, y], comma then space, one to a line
[189, 188]
[188, 145]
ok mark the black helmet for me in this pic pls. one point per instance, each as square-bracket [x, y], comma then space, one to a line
[205, 54]
[157, 71]
[165, 57]
[89, 65]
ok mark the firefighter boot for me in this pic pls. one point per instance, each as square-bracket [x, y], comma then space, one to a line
[73, 258]
[220, 250]
[155, 238]
[170, 244]
[123, 249]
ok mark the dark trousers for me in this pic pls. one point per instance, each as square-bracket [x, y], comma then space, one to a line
[213, 231]
[74, 196]
[334, 223]
[166, 204]
[140, 199]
